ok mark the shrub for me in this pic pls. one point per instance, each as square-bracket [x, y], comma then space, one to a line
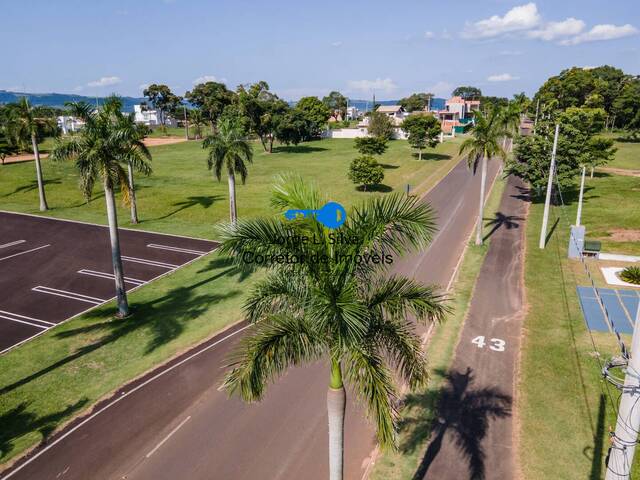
[631, 275]
[380, 126]
[371, 145]
[365, 171]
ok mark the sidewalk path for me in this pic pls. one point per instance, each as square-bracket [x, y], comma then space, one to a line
[474, 433]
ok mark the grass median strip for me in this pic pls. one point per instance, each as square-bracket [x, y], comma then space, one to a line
[418, 414]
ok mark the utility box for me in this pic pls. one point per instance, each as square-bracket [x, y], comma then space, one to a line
[576, 241]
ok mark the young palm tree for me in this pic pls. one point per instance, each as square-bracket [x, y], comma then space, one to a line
[26, 124]
[483, 145]
[196, 120]
[101, 151]
[509, 119]
[229, 149]
[335, 304]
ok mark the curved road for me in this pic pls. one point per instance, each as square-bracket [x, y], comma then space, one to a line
[174, 423]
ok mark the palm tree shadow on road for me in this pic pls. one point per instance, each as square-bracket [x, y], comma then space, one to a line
[502, 220]
[462, 411]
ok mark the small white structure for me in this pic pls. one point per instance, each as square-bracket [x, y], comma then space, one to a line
[396, 113]
[398, 133]
[69, 124]
[353, 113]
[149, 117]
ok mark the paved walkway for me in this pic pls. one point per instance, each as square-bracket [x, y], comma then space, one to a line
[474, 434]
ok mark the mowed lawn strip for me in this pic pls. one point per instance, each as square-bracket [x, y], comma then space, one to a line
[565, 408]
[417, 417]
[183, 197]
[60, 374]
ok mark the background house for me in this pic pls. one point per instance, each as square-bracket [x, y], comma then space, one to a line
[151, 118]
[69, 124]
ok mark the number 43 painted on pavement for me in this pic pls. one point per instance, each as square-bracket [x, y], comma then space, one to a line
[496, 344]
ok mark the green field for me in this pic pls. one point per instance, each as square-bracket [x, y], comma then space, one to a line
[182, 196]
[62, 373]
[628, 154]
[565, 408]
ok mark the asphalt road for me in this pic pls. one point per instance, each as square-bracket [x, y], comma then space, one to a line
[474, 434]
[179, 425]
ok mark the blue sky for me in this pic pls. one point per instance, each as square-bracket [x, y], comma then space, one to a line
[309, 48]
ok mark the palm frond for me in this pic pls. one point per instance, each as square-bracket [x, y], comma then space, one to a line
[290, 191]
[280, 291]
[275, 344]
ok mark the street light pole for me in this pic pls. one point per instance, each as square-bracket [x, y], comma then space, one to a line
[186, 123]
[623, 441]
[547, 201]
[579, 215]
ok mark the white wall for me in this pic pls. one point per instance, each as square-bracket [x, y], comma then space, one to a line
[398, 133]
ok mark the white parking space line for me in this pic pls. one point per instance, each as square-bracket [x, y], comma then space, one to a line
[11, 244]
[24, 317]
[168, 436]
[6, 317]
[176, 249]
[110, 276]
[72, 295]
[26, 251]
[152, 263]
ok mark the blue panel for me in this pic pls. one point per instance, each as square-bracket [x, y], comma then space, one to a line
[631, 304]
[612, 300]
[617, 314]
[593, 315]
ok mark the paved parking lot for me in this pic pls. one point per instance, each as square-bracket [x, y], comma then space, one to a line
[52, 270]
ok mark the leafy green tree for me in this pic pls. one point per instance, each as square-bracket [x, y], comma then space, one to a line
[422, 130]
[294, 127]
[211, 98]
[467, 92]
[492, 103]
[336, 102]
[162, 99]
[626, 107]
[229, 149]
[371, 145]
[316, 112]
[196, 122]
[264, 111]
[482, 146]
[380, 126]
[101, 151]
[365, 171]
[352, 313]
[29, 124]
[416, 101]
[6, 147]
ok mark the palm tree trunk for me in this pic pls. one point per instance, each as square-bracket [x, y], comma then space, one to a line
[591, 175]
[336, 402]
[132, 196]
[121, 293]
[36, 153]
[483, 181]
[232, 198]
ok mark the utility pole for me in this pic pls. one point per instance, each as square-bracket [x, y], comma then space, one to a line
[547, 201]
[623, 441]
[579, 215]
[186, 123]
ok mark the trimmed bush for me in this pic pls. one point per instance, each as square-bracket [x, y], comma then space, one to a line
[631, 275]
[365, 171]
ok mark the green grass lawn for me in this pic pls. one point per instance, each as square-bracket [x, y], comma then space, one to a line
[628, 154]
[418, 414]
[565, 409]
[62, 373]
[182, 196]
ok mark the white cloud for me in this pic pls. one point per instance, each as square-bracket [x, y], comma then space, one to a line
[523, 17]
[79, 88]
[104, 82]
[552, 30]
[336, 44]
[602, 32]
[208, 78]
[382, 85]
[445, 34]
[440, 89]
[429, 35]
[501, 77]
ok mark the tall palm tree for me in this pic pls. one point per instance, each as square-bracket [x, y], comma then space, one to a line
[483, 145]
[102, 150]
[331, 305]
[509, 119]
[229, 149]
[27, 124]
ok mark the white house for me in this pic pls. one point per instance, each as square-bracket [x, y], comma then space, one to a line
[396, 113]
[353, 113]
[148, 117]
[69, 124]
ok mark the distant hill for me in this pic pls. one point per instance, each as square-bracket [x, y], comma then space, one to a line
[59, 99]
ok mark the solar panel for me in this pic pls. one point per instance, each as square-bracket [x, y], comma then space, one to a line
[621, 307]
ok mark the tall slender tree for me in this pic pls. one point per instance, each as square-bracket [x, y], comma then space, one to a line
[230, 150]
[101, 151]
[352, 313]
[26, 123]
[509, 119]
[482, 146]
